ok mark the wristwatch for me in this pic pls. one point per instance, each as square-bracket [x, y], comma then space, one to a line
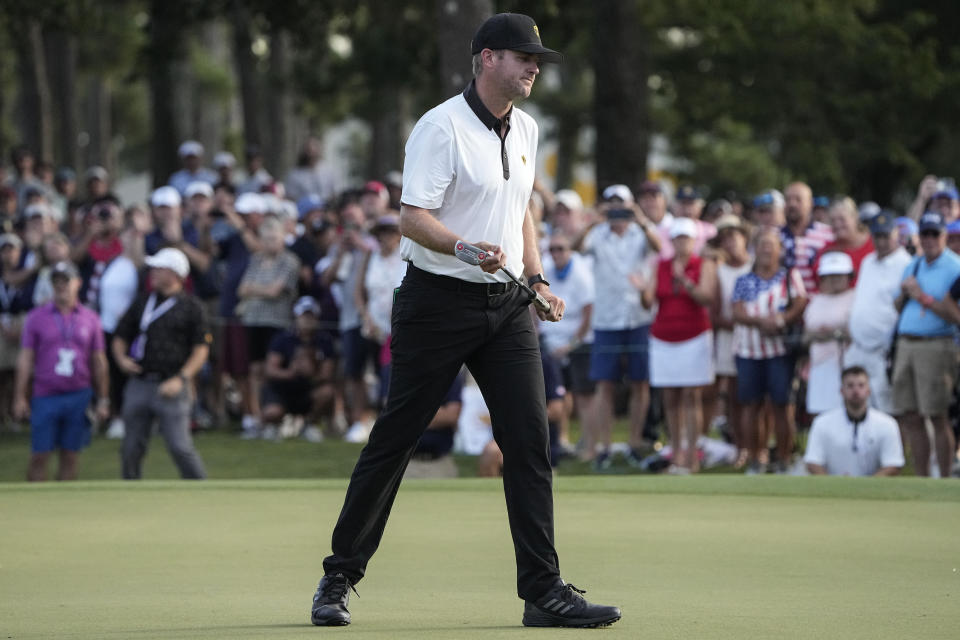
[536, 278]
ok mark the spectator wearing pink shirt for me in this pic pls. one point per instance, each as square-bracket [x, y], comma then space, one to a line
[689, 204]
[63, 352]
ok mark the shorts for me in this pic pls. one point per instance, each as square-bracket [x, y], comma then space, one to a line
[357, 351]
[552, 377]
[923, 376]
[611, 347]
[576, 371]
[688, 363]
[258, 342]
[233, 352]
[757, 379]
[293, 396]
[60, 421]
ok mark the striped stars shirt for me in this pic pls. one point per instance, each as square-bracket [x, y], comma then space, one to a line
[763, 297]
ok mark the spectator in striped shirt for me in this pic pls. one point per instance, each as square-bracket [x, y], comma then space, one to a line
[803, 238]
[764, 305]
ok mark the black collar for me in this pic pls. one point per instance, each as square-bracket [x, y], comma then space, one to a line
[489, 120]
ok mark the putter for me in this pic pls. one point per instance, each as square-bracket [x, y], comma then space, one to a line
[475, 255]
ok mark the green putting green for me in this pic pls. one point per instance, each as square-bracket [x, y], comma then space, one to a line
[693, 557]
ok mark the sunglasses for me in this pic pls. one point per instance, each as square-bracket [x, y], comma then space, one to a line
[557, 249]
[930, 233]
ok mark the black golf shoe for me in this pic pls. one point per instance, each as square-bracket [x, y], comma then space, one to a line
[330, 601]
[563, 606]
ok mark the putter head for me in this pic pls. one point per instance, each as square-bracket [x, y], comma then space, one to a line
[469, 253]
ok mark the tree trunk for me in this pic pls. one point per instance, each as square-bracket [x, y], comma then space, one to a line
[457, 21]
[247, 72]
[97, 150]
[36, 119]
[279, 148]
[164, 50]
[621, 112]
[61, 50]
[385, 143]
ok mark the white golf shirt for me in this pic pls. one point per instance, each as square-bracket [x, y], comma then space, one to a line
[832, 443]
[617, 260]
[453, 168]
[873, 316]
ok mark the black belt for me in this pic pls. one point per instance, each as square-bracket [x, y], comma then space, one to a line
[461, 286]
[913, 338]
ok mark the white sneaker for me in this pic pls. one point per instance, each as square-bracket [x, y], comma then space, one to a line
[116, 429]
[312, 433]
[358, 432]
[269, 432]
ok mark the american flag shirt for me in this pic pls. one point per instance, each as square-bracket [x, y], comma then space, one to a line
[763, 297]
[800, 252]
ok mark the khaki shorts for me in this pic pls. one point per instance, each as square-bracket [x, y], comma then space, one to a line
[923, 376]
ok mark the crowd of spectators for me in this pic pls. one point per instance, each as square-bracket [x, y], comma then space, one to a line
[735, 316]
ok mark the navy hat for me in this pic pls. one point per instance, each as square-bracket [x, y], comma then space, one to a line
[883, 222]
[688, 192]
[932, 221]
[821, 201]
[308, 203]
[513, 31]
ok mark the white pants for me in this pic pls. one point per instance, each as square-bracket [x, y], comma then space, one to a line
[875, 362]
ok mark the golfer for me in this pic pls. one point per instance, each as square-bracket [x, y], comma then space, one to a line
[468, 177]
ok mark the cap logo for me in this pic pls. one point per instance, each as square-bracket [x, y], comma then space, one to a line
[536, 30]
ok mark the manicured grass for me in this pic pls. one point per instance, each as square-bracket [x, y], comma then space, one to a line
[685, 557]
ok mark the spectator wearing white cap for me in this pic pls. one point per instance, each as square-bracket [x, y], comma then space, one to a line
[826, 326]
[653, 201]
[311, 175]
[300, 371]
[191, 157]
[567, 214]
[224, 163]
[161, 342]
[234, 252]
[873, 318]
[621, 248]
[171, 230]
[681, 339]
[97, 181]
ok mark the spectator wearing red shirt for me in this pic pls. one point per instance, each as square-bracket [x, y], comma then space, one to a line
[850, 235]
[681, 339]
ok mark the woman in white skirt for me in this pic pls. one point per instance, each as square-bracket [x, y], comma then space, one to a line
[825, 322]
[681, 340]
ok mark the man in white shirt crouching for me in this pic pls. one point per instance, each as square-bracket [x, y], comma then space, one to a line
[855, 439]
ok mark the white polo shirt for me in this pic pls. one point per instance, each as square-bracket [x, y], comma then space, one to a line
[453, 168]
[577, 290]
[615, 260]
[873, 316]
[831, 443]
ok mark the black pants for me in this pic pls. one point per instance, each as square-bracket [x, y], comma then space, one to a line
[439, 324]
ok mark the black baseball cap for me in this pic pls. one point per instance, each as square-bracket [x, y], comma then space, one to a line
[513, 31]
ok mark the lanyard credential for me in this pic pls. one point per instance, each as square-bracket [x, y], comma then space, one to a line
[151, 312]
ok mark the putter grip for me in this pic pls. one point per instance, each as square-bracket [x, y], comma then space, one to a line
[541, 303]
